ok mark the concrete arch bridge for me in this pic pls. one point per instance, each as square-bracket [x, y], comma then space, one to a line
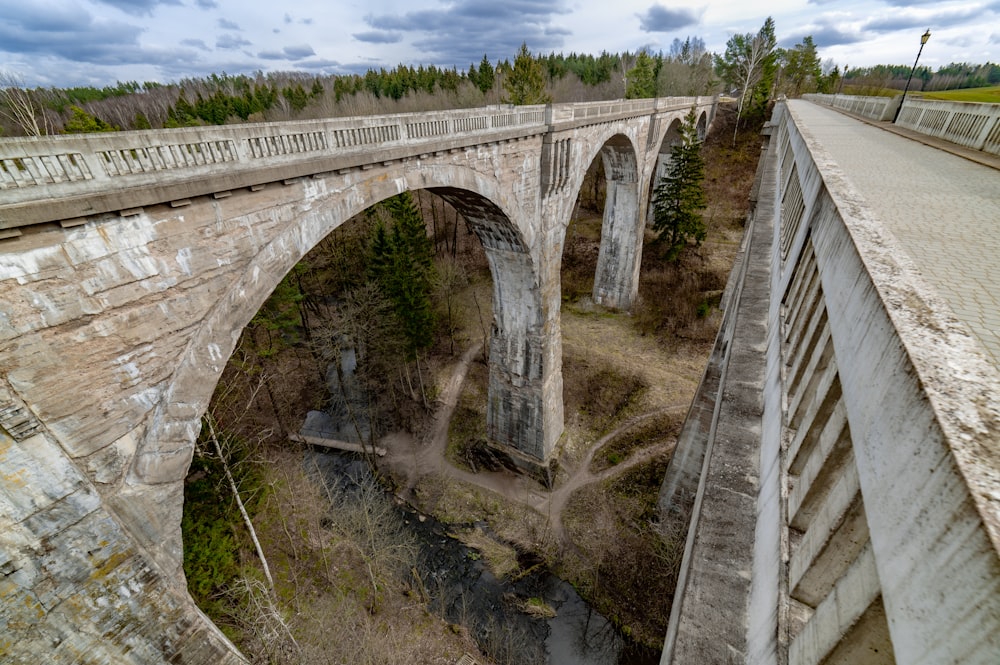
[130, 263]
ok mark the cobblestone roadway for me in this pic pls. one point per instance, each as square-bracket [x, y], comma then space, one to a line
[943, 209]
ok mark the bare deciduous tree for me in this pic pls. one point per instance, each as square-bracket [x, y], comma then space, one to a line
[19, 106]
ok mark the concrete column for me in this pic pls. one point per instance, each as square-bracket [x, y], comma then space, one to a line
[616, 282]
[525, 411]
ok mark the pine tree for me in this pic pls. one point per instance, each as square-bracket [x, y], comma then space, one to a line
[526, 82]
[83, 123]
[679, 197]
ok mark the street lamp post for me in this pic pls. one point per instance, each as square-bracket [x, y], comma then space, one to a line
[923, 40]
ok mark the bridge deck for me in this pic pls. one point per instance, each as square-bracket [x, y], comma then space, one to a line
[944, 211]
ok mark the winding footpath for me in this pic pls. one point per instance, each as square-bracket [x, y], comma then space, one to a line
[413, 460]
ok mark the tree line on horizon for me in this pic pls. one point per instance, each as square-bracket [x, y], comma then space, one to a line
[686, 69]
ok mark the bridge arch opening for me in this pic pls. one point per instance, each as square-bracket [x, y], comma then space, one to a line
[516, 345]
[616, 271]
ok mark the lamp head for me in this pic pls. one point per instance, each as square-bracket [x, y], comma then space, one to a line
[924, 37]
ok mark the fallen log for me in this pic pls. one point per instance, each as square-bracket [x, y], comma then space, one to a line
[336, 444]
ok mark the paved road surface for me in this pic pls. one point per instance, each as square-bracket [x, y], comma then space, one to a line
[943, 209]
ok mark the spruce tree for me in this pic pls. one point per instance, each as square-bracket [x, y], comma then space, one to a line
[679, 197]
[486, 75]
[401, 260]
[525, 84]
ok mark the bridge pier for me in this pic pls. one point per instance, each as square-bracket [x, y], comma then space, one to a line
[524, 412]
[616, 282]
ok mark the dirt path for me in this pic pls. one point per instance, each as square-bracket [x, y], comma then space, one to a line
[413, 460]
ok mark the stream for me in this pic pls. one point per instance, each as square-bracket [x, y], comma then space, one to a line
[463, 591]
[461, 588]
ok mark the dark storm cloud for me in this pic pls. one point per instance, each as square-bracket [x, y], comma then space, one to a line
[139, 7]
[660, 19]
[226, 24]
[231, 42]
[462, 31]
[378, 37]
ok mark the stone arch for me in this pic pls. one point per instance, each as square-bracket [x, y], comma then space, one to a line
[616, 279]
[525, 411]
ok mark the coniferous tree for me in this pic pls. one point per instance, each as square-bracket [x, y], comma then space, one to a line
[641, 78]
[401, 261]
[679, 197]
[85, 123]
[525, 84]
[486, 76]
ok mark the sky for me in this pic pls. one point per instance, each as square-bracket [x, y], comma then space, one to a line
[65, 43]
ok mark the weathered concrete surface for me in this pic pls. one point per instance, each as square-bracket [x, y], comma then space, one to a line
[877, 506]
[708, 621]
[129, 274]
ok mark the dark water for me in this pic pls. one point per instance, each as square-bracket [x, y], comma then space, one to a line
[463, 591]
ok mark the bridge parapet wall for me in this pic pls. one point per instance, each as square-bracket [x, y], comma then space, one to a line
[871, 107]
[61, 178]
[891, 528]
[876, 534]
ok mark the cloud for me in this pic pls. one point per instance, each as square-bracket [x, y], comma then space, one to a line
[378, 37]
[826, 33]
[995, 38]
[936, 19]
[207, 4]
[910, 3]
[299, 52]
[226, 24]
[319, 64]
[231, 42]
[289, 53]
[196, 43]
[138, 7]
[72, 34]
[660, 19]
[461, 31]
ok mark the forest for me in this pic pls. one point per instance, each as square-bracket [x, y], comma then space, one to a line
[686, 69]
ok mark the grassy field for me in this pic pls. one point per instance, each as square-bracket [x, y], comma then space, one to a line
[990, 95]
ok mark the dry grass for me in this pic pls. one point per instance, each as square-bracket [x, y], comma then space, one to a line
[326, 575]
[664, 427]
[622, 563]
[500, 557]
